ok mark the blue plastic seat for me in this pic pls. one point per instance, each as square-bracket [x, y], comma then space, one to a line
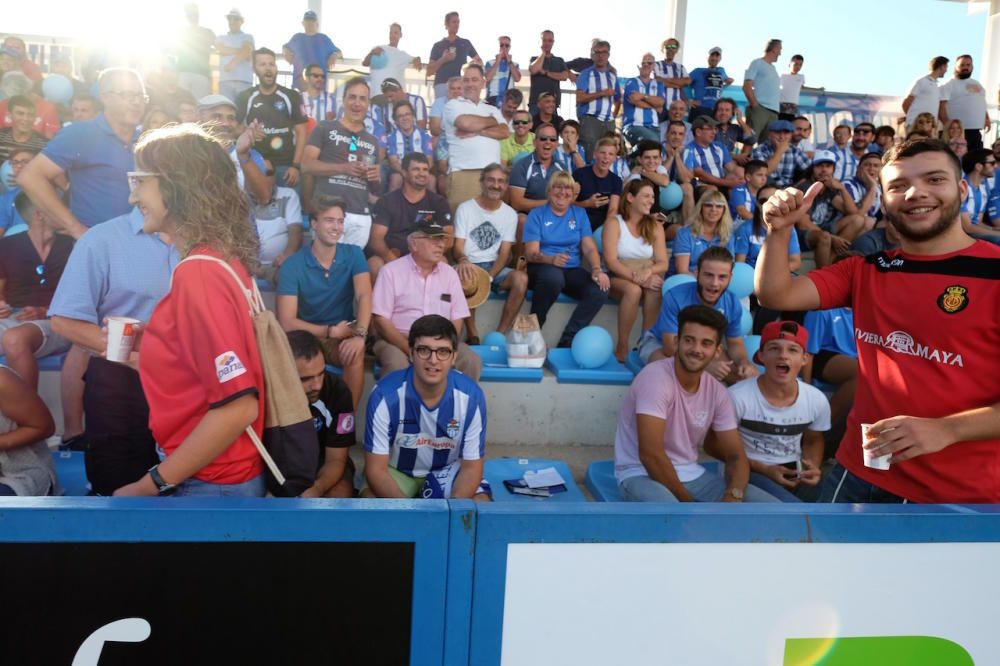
[568, 371]
[633, 362]
[495, 368]
[498, 470]
[603, 486]
[71, 473]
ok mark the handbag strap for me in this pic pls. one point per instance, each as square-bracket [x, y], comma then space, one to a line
[256, 303]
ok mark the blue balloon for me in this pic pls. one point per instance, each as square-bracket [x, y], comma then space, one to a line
[675, 280]
[752, 343]
[746, 322]
[379, 61]
[742, 282]
[599, 241]
[57, 89]
[592, 347]
[671, 196]
[495, 339]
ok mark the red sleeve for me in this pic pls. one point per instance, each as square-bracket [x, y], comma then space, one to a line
[216, 332]
[835, 283]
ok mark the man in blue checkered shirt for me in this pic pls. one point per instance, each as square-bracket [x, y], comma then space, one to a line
[786, 162]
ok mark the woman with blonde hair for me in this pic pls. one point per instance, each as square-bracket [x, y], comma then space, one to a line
[711, 225]
[635, 252]
[557, 237]
[198, 361]
[923, 125]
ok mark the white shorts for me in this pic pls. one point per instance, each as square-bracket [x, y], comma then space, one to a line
[357, 228]
[52, 343]
[647, 345]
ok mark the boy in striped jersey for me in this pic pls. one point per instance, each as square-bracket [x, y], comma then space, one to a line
[425, 433]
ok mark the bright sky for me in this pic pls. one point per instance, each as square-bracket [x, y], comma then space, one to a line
[858, 46]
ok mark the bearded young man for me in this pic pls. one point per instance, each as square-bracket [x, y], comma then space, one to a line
[925, 326]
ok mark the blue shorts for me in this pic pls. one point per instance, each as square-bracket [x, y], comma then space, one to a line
[501, 276]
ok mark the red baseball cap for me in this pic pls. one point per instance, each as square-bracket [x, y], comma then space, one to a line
[782, 330]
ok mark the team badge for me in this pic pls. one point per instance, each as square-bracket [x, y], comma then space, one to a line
[953, 299]
[452, 428]
[572, 224]
[279, 105]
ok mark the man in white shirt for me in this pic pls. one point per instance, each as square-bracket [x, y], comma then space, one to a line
[395, 62]
[964, 98]
[485, 231]
[924, 95]
[791, 86]
[474, 130]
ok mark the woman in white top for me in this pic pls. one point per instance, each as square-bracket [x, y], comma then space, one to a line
[25, 423]
[635, 252]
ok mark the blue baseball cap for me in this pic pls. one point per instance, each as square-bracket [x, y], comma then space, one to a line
[781, 126]
[310, 16]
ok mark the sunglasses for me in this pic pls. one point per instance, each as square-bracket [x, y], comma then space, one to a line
[547, 139]
[671, 47]
[521, 122]
[713, 204]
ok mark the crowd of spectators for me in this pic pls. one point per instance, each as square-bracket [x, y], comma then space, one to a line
[375, 214]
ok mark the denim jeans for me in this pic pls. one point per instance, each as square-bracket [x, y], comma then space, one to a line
[549, 281]
[842, 487]
[706, 488]
[195, 488]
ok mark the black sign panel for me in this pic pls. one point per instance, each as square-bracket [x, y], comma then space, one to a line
[206, 603]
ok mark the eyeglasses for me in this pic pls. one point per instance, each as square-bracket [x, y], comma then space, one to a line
[547, 139]
[130, 96]
[40, 272]
[442, 353]
[521, 122]
[135, 178]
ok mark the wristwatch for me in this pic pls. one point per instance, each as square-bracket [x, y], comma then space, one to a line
[162, 487]
[360, 331]
[735, 493]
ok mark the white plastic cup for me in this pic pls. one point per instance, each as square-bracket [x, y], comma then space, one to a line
[121, 338]
[875, 462]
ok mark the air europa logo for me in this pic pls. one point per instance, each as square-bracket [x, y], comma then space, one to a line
[902, 342]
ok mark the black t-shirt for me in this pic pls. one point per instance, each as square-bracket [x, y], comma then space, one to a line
[333, 416]
[278, 113]
[339, 145]
[400, 216]
[541, 83]
[28, 280]
[591, 184]
[556, 122]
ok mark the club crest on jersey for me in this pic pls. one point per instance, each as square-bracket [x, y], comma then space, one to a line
[279, 105]
[228, 366]
[572, 224]
[954, 299]
[452, 428]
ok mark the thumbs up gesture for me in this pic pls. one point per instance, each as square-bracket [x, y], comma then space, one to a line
[785, 208]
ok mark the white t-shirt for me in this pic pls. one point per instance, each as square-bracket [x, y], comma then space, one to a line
[470, 152]
[394, 69]
[273, 220]
[773, 435]
[484, 230]
[791, 86]
[966, 101]
[926, 98]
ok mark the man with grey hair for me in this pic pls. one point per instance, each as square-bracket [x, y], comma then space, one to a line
[762, 86]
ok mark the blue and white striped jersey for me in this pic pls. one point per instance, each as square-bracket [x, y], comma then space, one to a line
[976, 200]
[633, 115]
[401, 145]
[419, 440]
[712, 158]
[673, 70]
[858, 190]
[592, 80]
[847, 163]
[321, 107]
[500, 82]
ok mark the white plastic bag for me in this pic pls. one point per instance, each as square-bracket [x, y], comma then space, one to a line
[525, 345]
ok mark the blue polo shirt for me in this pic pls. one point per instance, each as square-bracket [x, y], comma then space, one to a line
[746, 242]
[115, 269]
[95, 160]
[686, 243]
[686, 294]
[558, 234]
[325, 297]
[527, 173]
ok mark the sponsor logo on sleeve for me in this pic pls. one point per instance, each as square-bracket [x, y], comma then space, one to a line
[228, 366]
[345, 424]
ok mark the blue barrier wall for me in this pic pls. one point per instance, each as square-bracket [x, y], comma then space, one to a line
[461, 549]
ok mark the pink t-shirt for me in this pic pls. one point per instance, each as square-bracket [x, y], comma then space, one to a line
[403, 295]
[655, 392]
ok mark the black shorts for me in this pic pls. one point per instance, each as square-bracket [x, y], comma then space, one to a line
[820, 359]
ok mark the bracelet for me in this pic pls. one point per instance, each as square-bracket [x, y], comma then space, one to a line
[360, 331]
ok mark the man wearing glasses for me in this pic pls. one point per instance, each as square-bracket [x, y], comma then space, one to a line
[849, 155]
[344, 158]
[426, 425]
[522, 141]
[501, 73]
[596, 96]
[643, 101]
[417, 284]
[94, 156]
[674, 78]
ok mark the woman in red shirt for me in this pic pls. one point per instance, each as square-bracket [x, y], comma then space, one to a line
[199, 364]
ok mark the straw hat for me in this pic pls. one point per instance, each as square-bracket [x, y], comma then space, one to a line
[477, 288]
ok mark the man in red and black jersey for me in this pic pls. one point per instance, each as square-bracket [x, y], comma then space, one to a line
[926, 330]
